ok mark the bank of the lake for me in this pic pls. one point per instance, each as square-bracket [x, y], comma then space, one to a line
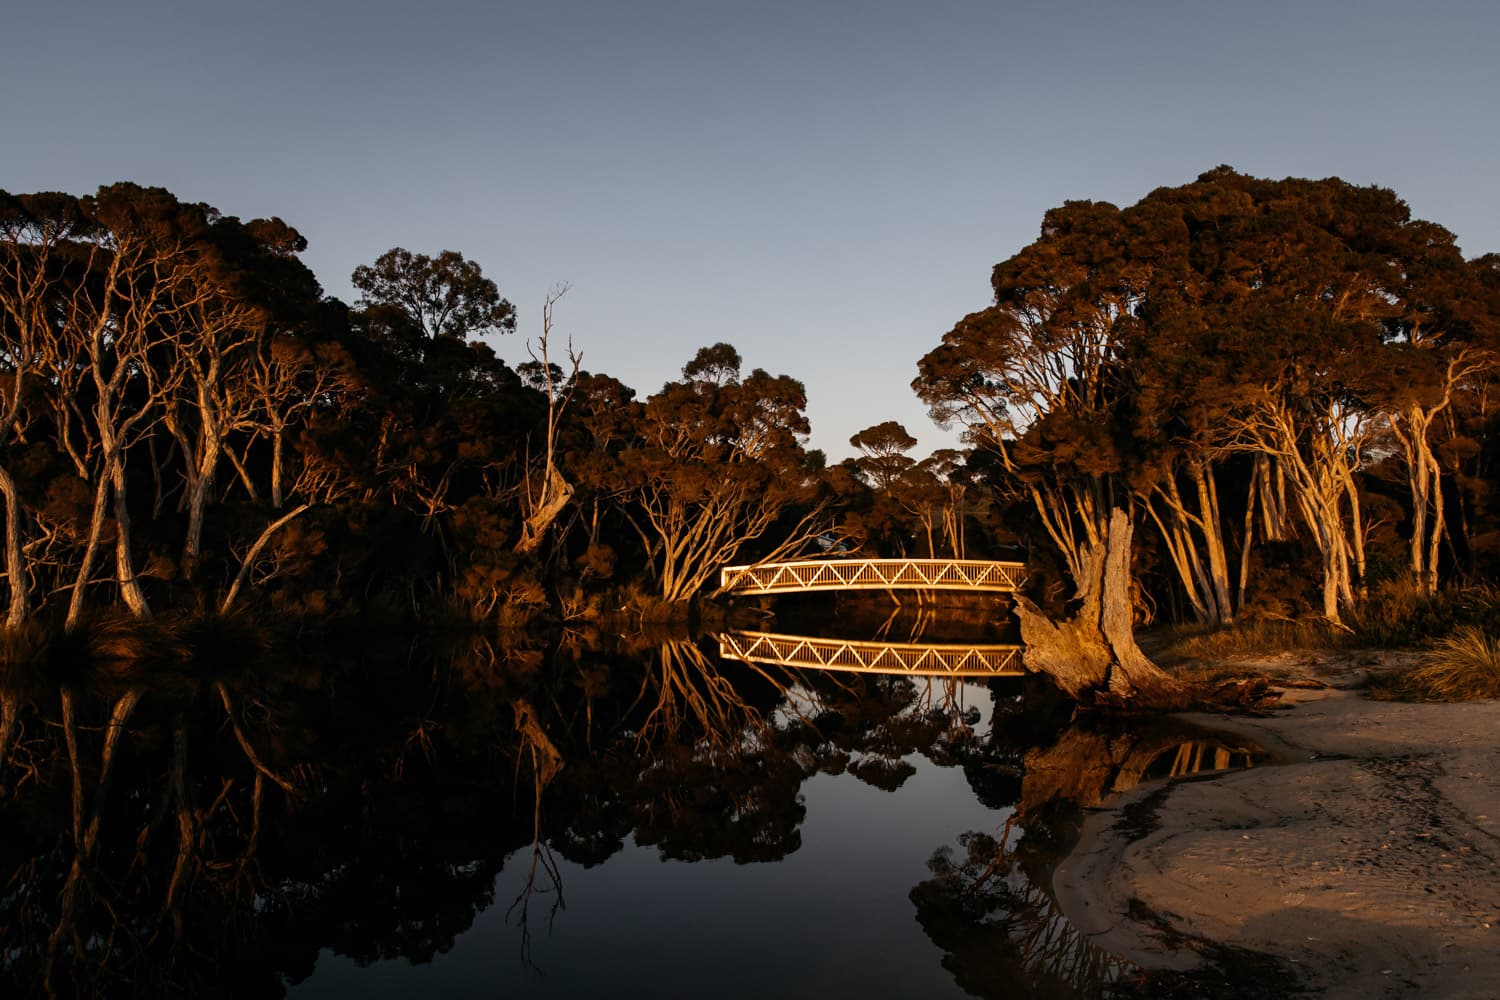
[1365, 864]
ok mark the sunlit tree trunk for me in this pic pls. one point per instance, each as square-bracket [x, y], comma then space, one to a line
[90, 552]
[1211, 524]
[15, 562]
[1412, 424]
[545, 500]
[1094, 655]
[1320, 453]
[125, 574]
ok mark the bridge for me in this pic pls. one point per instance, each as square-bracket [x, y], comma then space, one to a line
[917, 659]
[871, 574]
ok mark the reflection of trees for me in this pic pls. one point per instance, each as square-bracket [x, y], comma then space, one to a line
[698, 767]
[106, 873]
[185, 831]
[244, 823]
[1087, 762]
[999, 928]
[869, 724]
[991, 909]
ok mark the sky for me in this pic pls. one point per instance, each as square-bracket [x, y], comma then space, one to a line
[826, 186]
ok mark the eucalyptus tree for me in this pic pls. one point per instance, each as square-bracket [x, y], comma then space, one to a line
[36, 238]
[598, 427]
[546, 492]
[1338, 317]
[115, 346]
[250, 291]
[443, 420]
[443, 296]
[883, 452]
[718, 463]
[1039, 380]
[1131, 354]
[1443, 342]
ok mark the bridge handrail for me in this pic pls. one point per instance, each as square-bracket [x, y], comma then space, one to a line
[872, 574]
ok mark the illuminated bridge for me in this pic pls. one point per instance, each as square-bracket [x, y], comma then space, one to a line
[871, 574]
[920, 659]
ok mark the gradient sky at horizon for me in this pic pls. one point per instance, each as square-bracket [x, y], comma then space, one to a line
[824, 185]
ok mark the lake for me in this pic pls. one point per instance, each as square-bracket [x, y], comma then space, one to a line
[563, 815]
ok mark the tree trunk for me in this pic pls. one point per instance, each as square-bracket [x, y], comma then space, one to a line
[1213, 537]
[276, 468]
[15, 563]
[554, 498]
[130, 584]
[249, 562]
[197, 506]
[90, 552]
[1093, 656]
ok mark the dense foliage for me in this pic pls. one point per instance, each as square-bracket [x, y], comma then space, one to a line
[1288, 381]
[1282, 382]
[189, 423]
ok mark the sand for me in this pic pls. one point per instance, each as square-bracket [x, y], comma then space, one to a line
[1368, 861]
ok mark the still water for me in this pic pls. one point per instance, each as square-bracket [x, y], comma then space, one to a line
[546, 816]
[832, 917]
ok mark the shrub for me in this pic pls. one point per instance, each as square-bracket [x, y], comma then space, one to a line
[1460, 667]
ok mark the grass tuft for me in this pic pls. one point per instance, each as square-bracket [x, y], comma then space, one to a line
[1400, 614]
[1254, 638]
[1464, 666]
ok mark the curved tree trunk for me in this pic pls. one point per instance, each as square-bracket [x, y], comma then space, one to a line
[130, 584]
[555, 494]
[90, 553]
[1093, 656]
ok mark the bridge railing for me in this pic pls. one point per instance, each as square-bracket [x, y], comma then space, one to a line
[923, 659]
[872, 574]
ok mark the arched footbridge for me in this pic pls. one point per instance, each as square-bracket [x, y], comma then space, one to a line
[919, 659]
[872, 574]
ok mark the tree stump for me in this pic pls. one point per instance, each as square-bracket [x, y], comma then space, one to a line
[1093, 656]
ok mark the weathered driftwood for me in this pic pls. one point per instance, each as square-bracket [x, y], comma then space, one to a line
[1093, 656]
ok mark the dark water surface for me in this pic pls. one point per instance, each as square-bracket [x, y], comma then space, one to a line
[833, 917]
[546, 816]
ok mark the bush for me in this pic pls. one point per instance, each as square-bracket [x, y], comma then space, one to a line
[1463, 666]
[1259, 637]
[1400, 614]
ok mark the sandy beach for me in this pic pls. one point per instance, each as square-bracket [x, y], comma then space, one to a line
[1366, 860]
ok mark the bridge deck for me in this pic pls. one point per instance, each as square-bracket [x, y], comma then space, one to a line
[919, 659]
[872, 574]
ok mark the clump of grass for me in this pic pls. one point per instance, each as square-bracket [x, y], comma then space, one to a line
[1399, 613]
[1260, 637]
[1464, 666]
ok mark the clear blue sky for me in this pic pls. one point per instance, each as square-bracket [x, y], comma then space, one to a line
[824, 185]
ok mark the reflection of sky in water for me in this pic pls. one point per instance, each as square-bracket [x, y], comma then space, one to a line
[833, 918]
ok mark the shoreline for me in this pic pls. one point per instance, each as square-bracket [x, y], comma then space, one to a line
[1366, 859]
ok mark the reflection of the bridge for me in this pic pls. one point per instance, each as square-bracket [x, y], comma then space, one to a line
[919, 659]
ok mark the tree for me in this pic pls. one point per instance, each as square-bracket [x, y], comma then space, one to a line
[548, 493]
[1037, 377]
[36, 234]
[719, 463]
[883, 449]
[1132, 355]
[443, 296]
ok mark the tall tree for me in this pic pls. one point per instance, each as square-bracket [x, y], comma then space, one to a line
[719, 463]
[443, 296]
[1038, 379]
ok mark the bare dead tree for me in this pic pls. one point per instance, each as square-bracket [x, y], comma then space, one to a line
[547, 491]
